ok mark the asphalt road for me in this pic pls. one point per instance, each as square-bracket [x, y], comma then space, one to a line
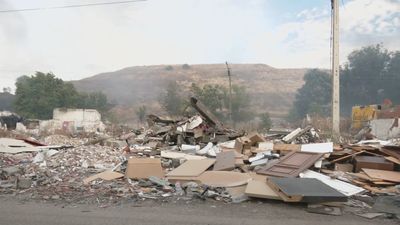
[252, 213]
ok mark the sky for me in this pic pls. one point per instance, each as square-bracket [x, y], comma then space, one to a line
[74, 43]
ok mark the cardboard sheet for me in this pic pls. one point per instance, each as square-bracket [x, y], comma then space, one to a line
[106, 175]
[225, 161]
[139, 168]
[260, 189]
[192, 168]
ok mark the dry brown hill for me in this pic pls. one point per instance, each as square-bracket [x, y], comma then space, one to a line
[272, 89]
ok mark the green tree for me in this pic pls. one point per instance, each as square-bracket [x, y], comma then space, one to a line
[364, 77]
[266, 122]
[211, 96]
[36, 96]
[370, 75]
[185, 66]
[313, 97]
[241, 104]
[141, 113]
[93, 100]
[171, 100]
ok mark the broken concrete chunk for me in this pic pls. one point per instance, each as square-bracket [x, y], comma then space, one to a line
[11, 171]
[322, 209]
[24, 183]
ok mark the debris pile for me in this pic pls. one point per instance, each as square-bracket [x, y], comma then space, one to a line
[197, 158]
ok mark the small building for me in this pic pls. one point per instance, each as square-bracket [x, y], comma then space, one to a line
[73, 120]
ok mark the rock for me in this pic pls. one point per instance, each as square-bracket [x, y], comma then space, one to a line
[55, 197]
[10, 171]
[190, 185]
[158, 181]
[24, 183]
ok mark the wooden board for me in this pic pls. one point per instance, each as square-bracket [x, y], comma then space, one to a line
[224, 178]
[393, 159]
[225, 161]
[260, 189]
[291, 165]
[192, 168]
[286, 147]
[383, 174]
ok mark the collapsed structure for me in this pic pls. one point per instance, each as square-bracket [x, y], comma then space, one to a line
[199, 158]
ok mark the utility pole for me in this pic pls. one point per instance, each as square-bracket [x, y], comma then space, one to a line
[335, 71]
[230, 93]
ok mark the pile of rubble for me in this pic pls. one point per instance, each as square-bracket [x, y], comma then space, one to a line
[198, 158]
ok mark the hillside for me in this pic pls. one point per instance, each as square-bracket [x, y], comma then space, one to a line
[271, 89]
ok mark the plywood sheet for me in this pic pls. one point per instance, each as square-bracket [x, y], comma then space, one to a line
[225, 161]
[106, 175]
[383, 174]
[192, 168]
[224, 178]
[291, 164]
[260, 189]
[304, 190]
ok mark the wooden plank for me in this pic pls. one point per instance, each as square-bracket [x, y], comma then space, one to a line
[391, 152]
[286, 147]
[383, 174]
[291, 164]
[346, 157]
[225, 161]
[192, 168]
[393, 159]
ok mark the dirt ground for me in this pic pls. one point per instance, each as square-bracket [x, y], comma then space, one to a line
[14, 211]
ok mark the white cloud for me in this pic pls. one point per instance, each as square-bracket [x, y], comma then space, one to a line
[306, 42]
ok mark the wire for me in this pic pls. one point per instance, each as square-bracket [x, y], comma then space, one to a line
[70, 6]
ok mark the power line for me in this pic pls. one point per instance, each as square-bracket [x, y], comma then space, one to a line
[70, 6]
